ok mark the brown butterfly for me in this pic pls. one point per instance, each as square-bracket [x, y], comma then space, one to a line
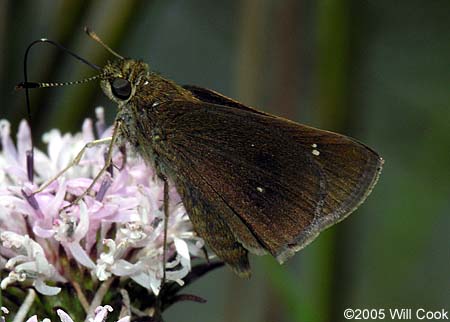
[250, 181]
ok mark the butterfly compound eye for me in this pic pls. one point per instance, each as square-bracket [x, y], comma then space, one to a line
[121, 88]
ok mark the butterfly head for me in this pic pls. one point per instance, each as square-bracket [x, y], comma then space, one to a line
[121, 77]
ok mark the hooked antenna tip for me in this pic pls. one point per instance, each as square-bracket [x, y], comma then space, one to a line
[88, 30]
[94, 36]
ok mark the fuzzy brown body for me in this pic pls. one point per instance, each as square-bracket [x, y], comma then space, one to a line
[250, 181]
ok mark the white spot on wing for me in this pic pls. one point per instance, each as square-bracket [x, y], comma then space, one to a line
[315, 151]
[260, 189]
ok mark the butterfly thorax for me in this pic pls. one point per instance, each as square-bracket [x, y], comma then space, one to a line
[138, 92]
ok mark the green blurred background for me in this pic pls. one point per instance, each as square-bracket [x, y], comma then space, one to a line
[377, 70]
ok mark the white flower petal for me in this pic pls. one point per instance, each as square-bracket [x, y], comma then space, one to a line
[45, 289]
[87, 131]
[101, 271]
[32, 319]
[80, 255]
[83, 224]
[52, 208]
[18, 173]
[146, 281]
[124, 268]
[43, 232]
[182, 248]
[63, 316]
[11, 239]
[23, 142]
[9, 150]
[54, 146]
[101, 312]
[42, 165]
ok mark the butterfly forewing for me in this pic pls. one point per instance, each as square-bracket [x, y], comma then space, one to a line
[272, 184]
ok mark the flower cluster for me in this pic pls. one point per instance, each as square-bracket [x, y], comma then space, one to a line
[115, 231]
[100, 315]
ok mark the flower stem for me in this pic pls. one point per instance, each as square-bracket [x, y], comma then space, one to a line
[98, 298]
[25, 307]
[82, 298]
[126, 304]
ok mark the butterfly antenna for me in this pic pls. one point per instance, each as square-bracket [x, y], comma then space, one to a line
[27, 85]
[95, 37]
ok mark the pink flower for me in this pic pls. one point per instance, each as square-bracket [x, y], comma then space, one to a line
[116, 231]
[100, 315]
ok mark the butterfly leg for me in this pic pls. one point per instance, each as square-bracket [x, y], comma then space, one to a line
[166, 219]
[106, 166]
[74, 162]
